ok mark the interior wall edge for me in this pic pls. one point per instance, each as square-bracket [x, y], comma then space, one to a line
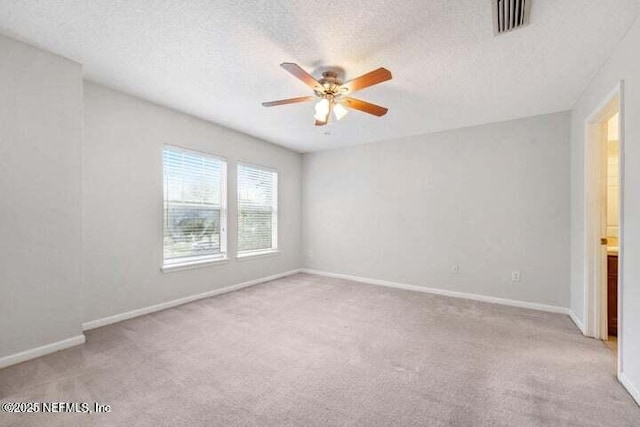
[633, 391]
[443, 292]
[33, 353]
[76, 340]
[97, 323]
[577, 321]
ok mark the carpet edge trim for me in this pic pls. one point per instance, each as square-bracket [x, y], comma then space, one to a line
[33, 353]
[93, 324]
[444, 292]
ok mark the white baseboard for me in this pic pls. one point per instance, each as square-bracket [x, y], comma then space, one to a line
[633, 391]
[436, 291]
[23, 356]
[577, 321]
[163, 306]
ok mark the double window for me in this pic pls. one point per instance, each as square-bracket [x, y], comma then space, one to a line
[195, 208]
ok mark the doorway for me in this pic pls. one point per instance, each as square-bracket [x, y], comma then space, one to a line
[604, 171]
[612, 202]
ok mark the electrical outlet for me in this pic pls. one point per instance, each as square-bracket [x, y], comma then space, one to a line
[456, 269]
[516, 276]
[310, 254]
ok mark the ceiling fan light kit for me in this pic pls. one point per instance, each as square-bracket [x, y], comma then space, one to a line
[333, 93]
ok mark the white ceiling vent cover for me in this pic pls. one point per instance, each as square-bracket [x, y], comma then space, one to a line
[509, 15]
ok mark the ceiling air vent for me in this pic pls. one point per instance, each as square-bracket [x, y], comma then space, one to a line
[509, 15]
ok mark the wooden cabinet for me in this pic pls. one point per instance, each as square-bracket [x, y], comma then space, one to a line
[612, 294]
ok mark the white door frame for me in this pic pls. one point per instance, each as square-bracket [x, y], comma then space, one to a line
[595, 307]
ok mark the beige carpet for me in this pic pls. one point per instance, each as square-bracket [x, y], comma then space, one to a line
[313, 351]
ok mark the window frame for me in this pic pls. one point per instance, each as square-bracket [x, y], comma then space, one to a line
[258, 253]
[203, 260]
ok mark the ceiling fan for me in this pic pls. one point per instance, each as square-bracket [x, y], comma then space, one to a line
[333, 93]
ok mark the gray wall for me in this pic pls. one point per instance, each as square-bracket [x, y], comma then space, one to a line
[492, 198]
[122, 203]
[624, 64]
[40, 142]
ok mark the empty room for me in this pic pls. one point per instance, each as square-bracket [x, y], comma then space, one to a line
[297, 213]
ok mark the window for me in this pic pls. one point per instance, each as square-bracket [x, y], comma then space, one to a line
[257, 210]
[195, 217]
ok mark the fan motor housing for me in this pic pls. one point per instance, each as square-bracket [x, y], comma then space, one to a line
[331, 83]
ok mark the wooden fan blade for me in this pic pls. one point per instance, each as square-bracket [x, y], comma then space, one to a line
[302, 75]
[288, 101]
[319, 123]
[367, 107]
[372, 78]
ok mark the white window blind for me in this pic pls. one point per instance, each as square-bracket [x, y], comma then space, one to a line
[257, 209]
[195, 216]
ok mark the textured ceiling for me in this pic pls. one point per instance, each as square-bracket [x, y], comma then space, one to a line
[218, 59]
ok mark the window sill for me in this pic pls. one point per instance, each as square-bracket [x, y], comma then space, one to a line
[193, 264]
[257, 254]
